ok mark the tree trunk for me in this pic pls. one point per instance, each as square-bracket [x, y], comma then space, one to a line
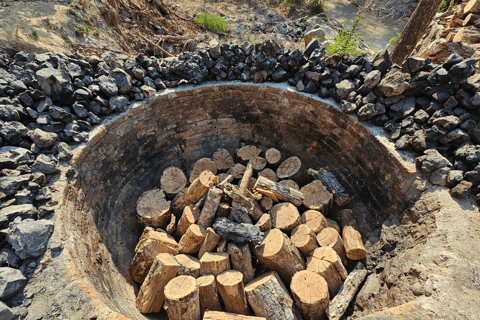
[415, 29]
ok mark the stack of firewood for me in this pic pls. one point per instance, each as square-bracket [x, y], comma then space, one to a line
[240, 235]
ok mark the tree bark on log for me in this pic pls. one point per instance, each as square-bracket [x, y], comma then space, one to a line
[266, 204]
[223, 210]
[232, 291]
[178, 203]
[192, 240]
[214, 263]
[471, 19]
[285, 216]
[269, 298]
[222, 246]
[278, 192]
[310, 292]
[304, 239]
[241, 259]
[415, 29]
[328, 179]
[182, 299]
[173, 180]
[209, 299]
[210, 242]
[214, 196]
[153, 209]
[223, 160]
[315, 220]
[239, 213]
[200, 166]
[216, 315]
[200, 187]
[234, 193]
[273, 157]
[340, 302]
[189, 266]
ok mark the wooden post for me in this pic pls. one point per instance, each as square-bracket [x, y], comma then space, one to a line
[231, 289]
[315, 220]
[354, 248]
[216, 315]
[210, 242]
[329, 237]
[200, 166]
[273, 157]
[330, 255]
[189, 266]
[285, 216]
[269, 298]
[209, 210]
[265, 222]
[317, 197]
[340, 302]
[304, 239]
[258, 163]
[151, 244]
[269, 174]
[200, 186]
[150, 298]
[209, 299]
[153, 209]
[214, 263]
[327, 271]
[182, 299]
[247, 152]
[278, 192]
[222, 159]
[192, 240]
[173, 180]
[310, 292]
[241, 258]
[291, 184]
[190, 216]
[279, 254]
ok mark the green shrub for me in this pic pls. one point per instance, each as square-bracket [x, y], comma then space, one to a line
[34, 33]
[211, 22]
[317, 6]
[347, 41]
[446, 3]
[394, 40]
[82, 30]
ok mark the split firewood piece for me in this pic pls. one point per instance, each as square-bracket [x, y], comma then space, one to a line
[330, 255]
[173, 180]
[268, 297]
[210, 242]
[190, 216]
[150, 298]
[471, 19]
[182, 300]
[223, 210]
[279, 254]
[246, 178]
[153, 209]
[269, 174]
[178, 203]
[332, 224]
[200, 202]
[273, 157]
[327, 271]
[231, 289]
[291, 184]
[285, 216]
[352, 240]
[241, 258]
[317, 197]
[310, 292]
[266, 204]
[189, 266]
[473, 6]
[209, 299]
[222, 159]
[304, 239]
[278, 192]
[244, 154]
[234, 193]
[290, 168]
[340, 197]
[219, 315]
[214, 263]
[214, 196]
[237, 171]
[151, 244]
[222, 246]
[200, 186]
[258, 163]
[192, 240]
[315, 220]
[329, 237]
[340, 302]
[265, 222]
[200, 166]
[170, 229]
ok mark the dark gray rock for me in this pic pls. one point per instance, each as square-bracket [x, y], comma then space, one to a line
[419, 142]
[64, 152]
[421, 116]
[454, 177]
[311, 46]
[44, 104]
[9, 113]
[457, 135]
[44, 165]
[122, 79]
[26, 100]
[56, 84]
[382, 61]
[5, 312]
[310, 87]
[461, 190]
[441, 97]
[80, 110]
[29, 238]
[13, 131]
[11, 282]
[12, 157]
[414, 64]
[434, 161]
[61, 114]
[402, 108]
[238, 232]
[108, 86]
[118, 103]
[462, 70]
[344, 88]
[448, 122]
[372, 79]
[279, 75]
[18, 86]
[403, 143]
[75, 70]
[10, 184]
[435, 133]
[394, 83]
[9, 213]
[450, 103]
[453, 59]
[43, 139]
[8, 258]
[439, 176]
[371, 110]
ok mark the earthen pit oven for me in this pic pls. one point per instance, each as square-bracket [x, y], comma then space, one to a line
[127, 156]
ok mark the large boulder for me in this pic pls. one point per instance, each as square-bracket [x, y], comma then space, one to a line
[12, 157]
[394, 83]
[11, 282]
[56, 84]
[29, 238]
[462, 70]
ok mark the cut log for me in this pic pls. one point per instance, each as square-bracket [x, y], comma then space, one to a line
[304, 239]
[269, 298]
[467, 35]
[315, 220]
[234, 193]
[352, 240]
[327, 271]
[273, 157]
[239, 214]
[473, 6]
[190, 216]
[178, 203]
[266, 204]
[291, 184]
[153, 210]
[328, 179]
[150, 298]
[216, 315]
[330, 255]
[332, 224]
[209, 299]
[265, 222]
[170, 229]
[258, 163]
[317, 197]
[214, 196]
[310, 292]
[238, 232]
[285, 216]
[192, 240]
[223, 210]
[231, 289]
[210, 242]
[189, 266]
[329, 237]
[248, 152]
[222, 246]
[173, 180]
[241, 258]
[200, 187]
[290, 168]
[151, 244]
[279, 254]
[278, 192]
[200, 166]
[237, 171]
[269, 174]
[214, 263]
[182, 299]
[471, 19]
[340, 302]
[223, 160]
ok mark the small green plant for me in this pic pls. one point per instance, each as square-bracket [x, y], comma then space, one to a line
[69, 11]
[82, 30]
[446, 3]
[316, 7]
[346, 41]
[289, 3]
[394, 40]
[16, 30]
[34, 33]
[211, 22]
[97, 33]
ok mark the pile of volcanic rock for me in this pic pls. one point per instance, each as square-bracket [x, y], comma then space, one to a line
[244, 238]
